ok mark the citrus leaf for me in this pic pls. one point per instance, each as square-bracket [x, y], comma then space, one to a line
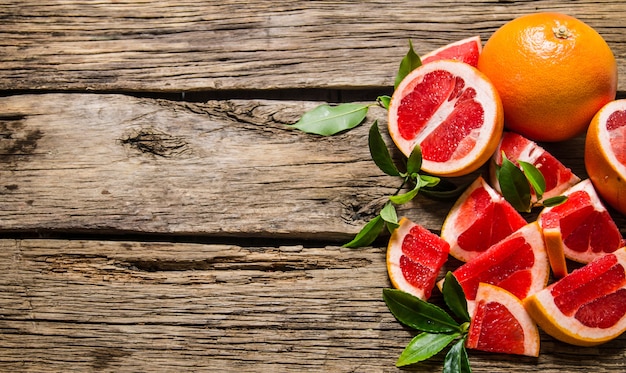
[454, 296]
[535, 178]
[418, 314]
[368, 234]
[456, 360]
[328, 120]
[514, 185]
[410, 62]
[414, 163]
[388, 213]
[424, 346]
[384, 101]
[406, 197]
[554, 201]
[427, 181]
[380, 153]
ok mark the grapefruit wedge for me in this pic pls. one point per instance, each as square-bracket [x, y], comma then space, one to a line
[414, 257]
[518, 264]
[452, 111]
[580, 229]
[518, 148]
[605, 153]
[588, 306]
[480, 218]
[466, 50]
[501, 324]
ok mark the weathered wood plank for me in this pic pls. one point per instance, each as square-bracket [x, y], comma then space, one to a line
[129, 306]
[115, 164]
[234, 44]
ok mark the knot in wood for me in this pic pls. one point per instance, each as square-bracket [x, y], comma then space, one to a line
[155, 142]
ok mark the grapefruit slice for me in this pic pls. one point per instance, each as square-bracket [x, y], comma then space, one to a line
[501, 324]
[518, 264]
[414, 257]
[480, 218]
[452, 111]
[605, 154]
[466, 50]
[588, 306]
[580, 229]
[518, 148]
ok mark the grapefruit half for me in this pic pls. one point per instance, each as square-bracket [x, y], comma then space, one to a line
[452, 111]
[605, 153]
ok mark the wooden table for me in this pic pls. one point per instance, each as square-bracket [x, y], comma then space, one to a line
[157, 213]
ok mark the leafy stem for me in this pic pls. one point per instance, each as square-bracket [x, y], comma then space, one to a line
[437, 328]
[517, 184]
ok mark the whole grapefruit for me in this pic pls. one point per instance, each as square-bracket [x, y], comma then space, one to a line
[553, 73]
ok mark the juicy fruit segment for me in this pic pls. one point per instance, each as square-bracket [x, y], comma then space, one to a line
[518, 148]
[581, 228]
[605, 154]
[452, 111]
[518, 264]
[587, 307]
[480, 218]
[414, 257]
[501, 324]
[466, 50]
[553, 73]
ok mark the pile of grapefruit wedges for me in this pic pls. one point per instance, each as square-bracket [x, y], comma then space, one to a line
[544, 77]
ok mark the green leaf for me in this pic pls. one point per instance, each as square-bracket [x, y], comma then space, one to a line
[554, 201]
[388, 213]
[454, 296]
[328, 120]
[456, 360]
[427, 181]
[414, 163]
[406, 197]
[514, 185]
[418, 314]
[384, 101]
[424, 346]
[368, 234]
[380, 152]
[410, 62]
[534, 177]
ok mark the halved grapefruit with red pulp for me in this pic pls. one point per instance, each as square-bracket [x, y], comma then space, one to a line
[588, 306]
[452, 111]
[414, 257]
[480, 218]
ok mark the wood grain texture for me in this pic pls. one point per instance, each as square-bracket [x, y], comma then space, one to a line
[161, 46]
[128, 306]
[113, 163]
